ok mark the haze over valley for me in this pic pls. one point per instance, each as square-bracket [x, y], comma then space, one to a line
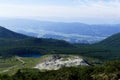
[72, 32]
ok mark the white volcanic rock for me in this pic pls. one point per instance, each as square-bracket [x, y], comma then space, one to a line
[54, 62]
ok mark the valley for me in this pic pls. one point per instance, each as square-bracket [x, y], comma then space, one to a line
[73, 32]
[59, 39]
[45, 56]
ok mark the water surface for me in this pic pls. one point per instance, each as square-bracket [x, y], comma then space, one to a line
[29, 55]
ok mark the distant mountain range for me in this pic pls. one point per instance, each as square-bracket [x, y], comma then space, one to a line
[72, 32]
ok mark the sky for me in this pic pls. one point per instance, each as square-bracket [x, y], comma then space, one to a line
[85, 11]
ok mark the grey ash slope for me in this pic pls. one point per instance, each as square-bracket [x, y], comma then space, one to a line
[55, 62]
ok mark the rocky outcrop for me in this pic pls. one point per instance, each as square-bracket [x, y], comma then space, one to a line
[54, 62]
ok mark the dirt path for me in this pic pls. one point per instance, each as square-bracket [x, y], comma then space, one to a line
[19, 59]
[10, 68]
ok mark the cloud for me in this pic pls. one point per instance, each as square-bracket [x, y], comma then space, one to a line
[101, 9]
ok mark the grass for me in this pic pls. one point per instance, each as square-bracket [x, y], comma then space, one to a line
[10, 62]
[6, 63]
[29, 63]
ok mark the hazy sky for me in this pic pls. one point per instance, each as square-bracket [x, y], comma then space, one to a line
[87, 11]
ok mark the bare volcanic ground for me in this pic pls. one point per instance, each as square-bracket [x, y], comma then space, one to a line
[54, 62]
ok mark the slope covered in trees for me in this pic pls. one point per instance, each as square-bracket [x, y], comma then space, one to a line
[5, 33]
[108, 71]
[15, 45]
[112, 41]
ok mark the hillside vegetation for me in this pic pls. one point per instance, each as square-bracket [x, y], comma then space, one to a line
[20, 44]
[108, 71]
[14, 44]
[5, 33]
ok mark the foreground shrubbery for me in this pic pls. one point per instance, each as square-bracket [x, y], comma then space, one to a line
[108, 71]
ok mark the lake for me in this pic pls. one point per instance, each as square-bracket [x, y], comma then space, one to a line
[30, 55]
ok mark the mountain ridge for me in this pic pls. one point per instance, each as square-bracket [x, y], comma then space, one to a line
[112, 41]
[5, 33]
